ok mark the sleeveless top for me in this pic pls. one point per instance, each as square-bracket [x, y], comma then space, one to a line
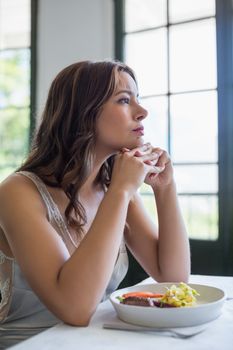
[22, 314]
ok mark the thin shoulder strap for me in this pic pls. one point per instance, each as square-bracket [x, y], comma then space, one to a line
[52, 208]
[42, 190]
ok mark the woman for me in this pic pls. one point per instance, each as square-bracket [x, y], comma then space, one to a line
[66, 213]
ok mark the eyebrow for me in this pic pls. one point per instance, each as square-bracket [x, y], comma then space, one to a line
[129, 92]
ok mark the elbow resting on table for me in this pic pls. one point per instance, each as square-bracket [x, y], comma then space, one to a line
[77, 318]
[78, 322]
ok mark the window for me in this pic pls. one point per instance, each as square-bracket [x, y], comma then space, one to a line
[181, 51]
[15, 57]
[173, 51]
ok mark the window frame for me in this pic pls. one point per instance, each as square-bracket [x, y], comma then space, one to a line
[210, 257]
[224, 21]
[33, 69]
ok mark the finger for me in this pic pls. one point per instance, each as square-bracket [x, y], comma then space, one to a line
[163, 158]
[158, 169]
[125, 150]
[151, 158]
[155, 169]
[154, 163]
[144, 149]
[151, 176]
[158, 150]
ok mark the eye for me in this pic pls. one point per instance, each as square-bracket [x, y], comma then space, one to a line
[124, 100]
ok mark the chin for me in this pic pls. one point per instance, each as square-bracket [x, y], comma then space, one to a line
[131, 144]
[137, 143]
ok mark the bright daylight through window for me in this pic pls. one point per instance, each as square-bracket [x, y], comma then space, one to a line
[173, 51]
[14, 83]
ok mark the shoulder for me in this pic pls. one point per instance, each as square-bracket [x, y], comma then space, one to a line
[17, 190]
[14, 185]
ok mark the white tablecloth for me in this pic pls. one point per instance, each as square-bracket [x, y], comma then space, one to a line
[217, 335]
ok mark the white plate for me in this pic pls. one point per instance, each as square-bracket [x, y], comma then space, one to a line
[208, 307]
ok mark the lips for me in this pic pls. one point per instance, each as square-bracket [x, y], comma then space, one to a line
[139, 131]
[141, 128]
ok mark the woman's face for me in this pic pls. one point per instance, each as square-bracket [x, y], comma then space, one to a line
[120, 123]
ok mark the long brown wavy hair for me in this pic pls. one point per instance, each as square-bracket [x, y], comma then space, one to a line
[63, 146]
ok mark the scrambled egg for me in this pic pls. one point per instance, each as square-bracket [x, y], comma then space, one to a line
[183, 295]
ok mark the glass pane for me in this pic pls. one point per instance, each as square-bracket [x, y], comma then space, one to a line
[194, 127]
[149, 203]
[145, 14]
[6, 171]
[146, 189]
[196, 178]
[156, 122]
[13, 137]
[183, 10]
[14, 78]
[15, 23]
[193, 56]
[146, 53]
[201, 216]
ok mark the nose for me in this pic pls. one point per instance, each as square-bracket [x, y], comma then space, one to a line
[141, 113]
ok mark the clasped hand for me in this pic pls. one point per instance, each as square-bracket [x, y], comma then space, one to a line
[162, 172]
[142, 164]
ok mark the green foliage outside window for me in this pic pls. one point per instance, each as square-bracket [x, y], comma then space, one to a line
[14, 109]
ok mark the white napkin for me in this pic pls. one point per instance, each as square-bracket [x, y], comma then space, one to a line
[113, 322]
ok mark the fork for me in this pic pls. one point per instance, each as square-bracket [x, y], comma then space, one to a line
[160, 331]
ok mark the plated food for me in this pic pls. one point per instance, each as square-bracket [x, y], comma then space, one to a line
[204, 308]
[175, 296]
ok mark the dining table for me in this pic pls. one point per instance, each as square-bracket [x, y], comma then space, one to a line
[214, 335]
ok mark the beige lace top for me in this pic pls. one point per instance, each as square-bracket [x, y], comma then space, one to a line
[21, 312]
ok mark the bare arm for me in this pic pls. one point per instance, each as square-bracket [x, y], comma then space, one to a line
[174, 252]
[71, 287]
[88, 271]
[164, 251]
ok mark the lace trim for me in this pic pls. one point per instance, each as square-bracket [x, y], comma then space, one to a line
[4, 257]
[5, 292]
[6, 271]
[51, 205]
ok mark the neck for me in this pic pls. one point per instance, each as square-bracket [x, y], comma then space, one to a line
[100, 158]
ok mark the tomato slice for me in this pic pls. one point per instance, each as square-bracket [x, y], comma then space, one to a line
[143, 295]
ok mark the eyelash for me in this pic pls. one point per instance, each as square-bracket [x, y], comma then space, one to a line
[124, 100]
